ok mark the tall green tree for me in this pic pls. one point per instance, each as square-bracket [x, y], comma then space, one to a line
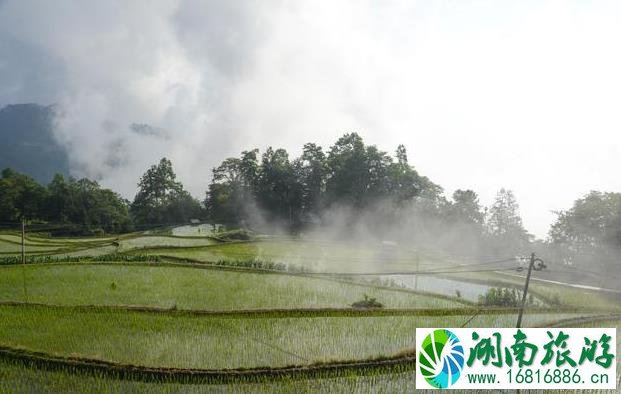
[277, 186]
[87, 206]
[82, 205]
[358, 175]
[232, 190]
[504, 224]
[161, 198]
[348, 172]
[59, 202]
[591, 225]
[97, 209]
[311, 169]
[299, 190]
[21, 197]
[467, 209]
[404, 181]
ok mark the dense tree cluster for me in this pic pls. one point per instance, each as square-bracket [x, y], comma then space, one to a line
[351, 182]
[592, 227]
[357, 185]
[21, 197]
[82, 204]
[350, 177]
[161, 199]
[297, 191]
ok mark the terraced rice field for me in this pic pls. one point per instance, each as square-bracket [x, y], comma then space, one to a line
[182, 341]
[10, 244]
[178, 313]
[192, 288]
[310, 255]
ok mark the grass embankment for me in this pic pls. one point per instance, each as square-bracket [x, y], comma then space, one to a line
[18, 378]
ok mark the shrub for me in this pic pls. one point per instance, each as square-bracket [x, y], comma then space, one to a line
[261, 265]
[367, 303]
[502, 297]
[10, 260]
[233, 235]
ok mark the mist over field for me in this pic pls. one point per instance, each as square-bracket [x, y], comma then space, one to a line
[281, 196]
[483, 95]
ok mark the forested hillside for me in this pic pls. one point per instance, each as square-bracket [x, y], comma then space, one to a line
[28, 144]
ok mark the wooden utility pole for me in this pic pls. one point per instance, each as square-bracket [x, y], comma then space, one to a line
[531, 265]
[23, 241]
[24, 258]
[416, 276]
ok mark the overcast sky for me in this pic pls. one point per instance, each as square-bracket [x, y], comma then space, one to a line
[484, 94]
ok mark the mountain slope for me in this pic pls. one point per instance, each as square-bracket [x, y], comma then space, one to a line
[27, 144]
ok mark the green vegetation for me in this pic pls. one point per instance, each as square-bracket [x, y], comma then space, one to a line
[350, 185]
[556, 294]
[367, 303]
[217, 342]
[17, 378]
[233, 235]
[590, 228]
[292, 190]
[229, 296]
[39, 244]
[47, 259]
[195, 230]
[202, 342]
[191, 288]
[159, 241]
[14, 248]
[215, 298]
[312, 255]
[170, 337]
[291, 193]
[161, 199]
[81, 206]
[503, 297]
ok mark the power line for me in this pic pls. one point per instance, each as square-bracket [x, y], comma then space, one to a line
[253, 338]
[578, 270]
[512, 259]
[443, 270]
[476, 313]
[389, 273]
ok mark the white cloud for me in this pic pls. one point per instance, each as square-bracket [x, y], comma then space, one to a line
[484, 94]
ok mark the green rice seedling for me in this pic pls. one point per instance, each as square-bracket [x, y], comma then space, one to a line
[214, 342]
[189, 287]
